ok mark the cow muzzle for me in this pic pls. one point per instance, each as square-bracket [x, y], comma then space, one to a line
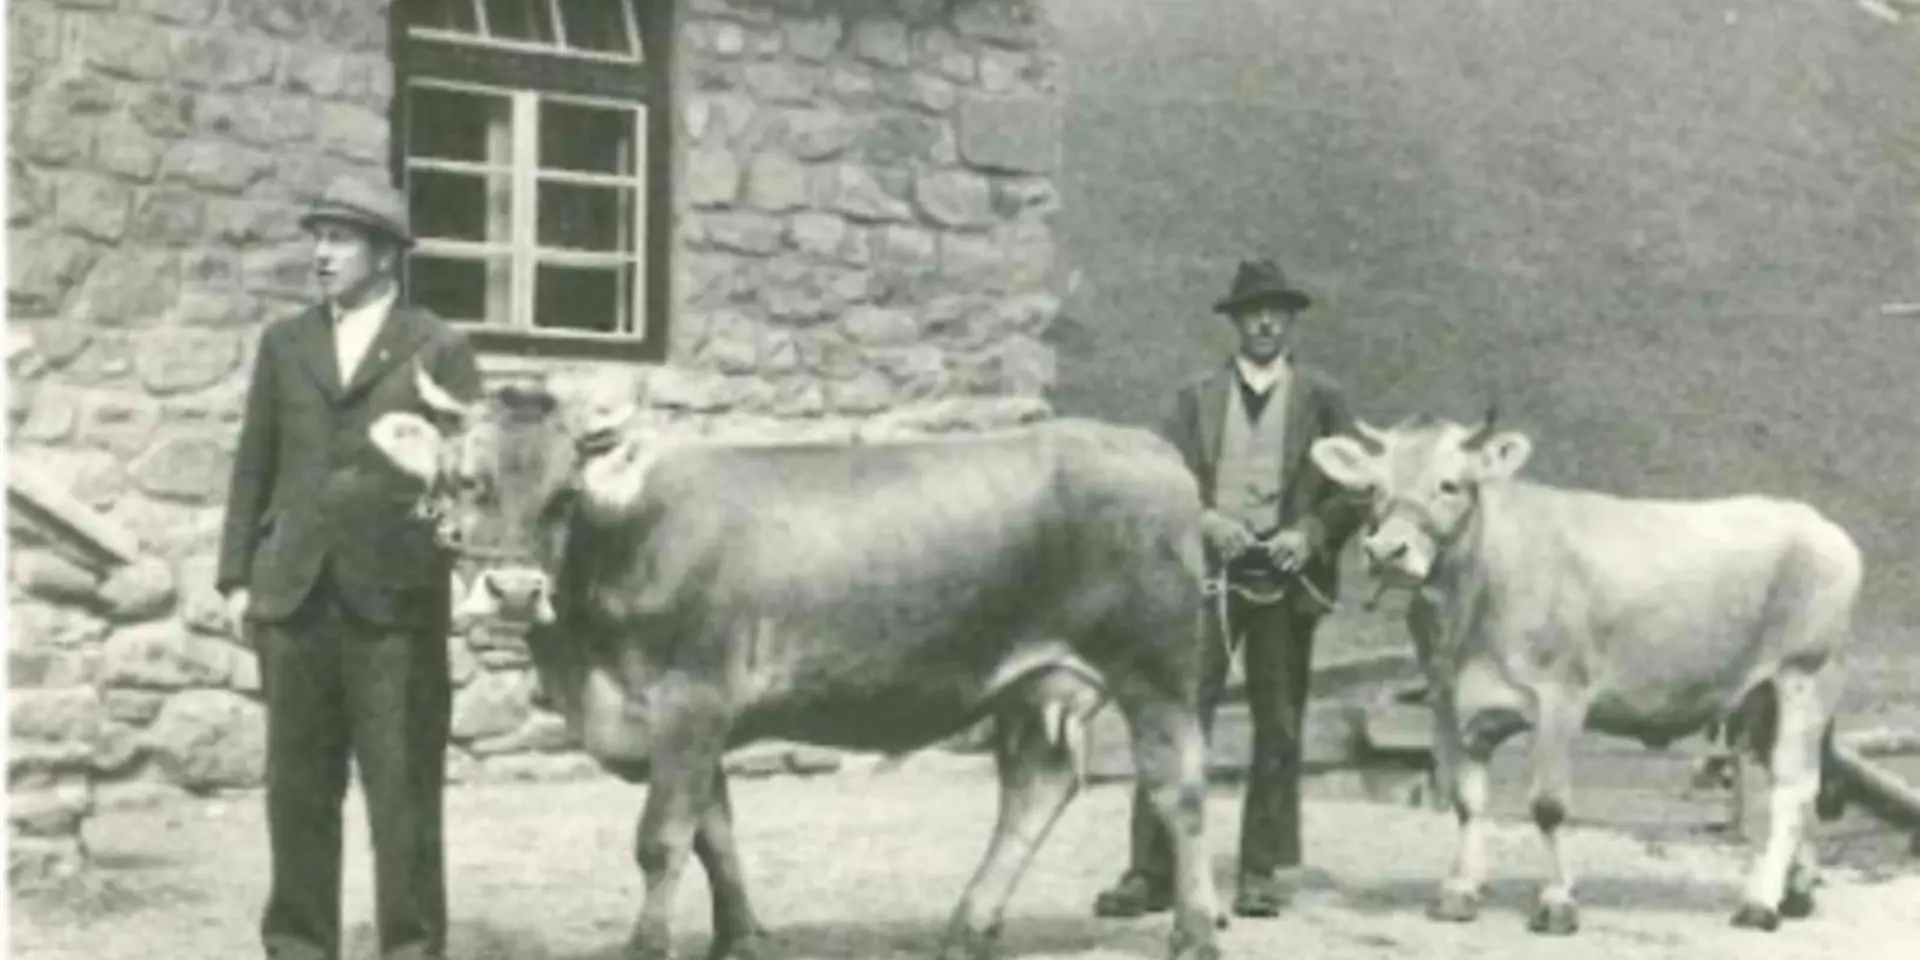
[516, 594]
[1397, 554]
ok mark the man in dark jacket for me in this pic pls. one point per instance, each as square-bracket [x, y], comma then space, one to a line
[344, 593]
[1274, 528]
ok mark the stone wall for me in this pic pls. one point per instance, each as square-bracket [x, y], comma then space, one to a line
[864, 247]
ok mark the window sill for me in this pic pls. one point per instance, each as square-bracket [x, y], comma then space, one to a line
[564, 345]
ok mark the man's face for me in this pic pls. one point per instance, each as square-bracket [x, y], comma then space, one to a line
[348, 261]
[1265, 331]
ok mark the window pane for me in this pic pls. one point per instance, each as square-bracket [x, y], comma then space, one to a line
[577, 137]
[598, 25]
[519, 20]
[468, 291]
[441, 14]
[459, 206]
[457, 124]
[583, 217]
[598, 299]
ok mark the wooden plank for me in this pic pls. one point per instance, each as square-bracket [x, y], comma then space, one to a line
[1882, 792]
[57, 513]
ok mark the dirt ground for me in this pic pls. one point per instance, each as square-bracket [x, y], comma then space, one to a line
[868, 864]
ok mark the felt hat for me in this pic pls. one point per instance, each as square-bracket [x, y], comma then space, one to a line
[369, 206]
[1257, 282]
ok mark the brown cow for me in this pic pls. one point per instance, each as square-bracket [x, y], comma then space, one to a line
[1566, 610]
[695, 598]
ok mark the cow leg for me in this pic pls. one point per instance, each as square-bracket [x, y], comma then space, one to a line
[1170, 766]
[678, 795]
[1560, 720]
[1039, 775]
[1473, 744]
[1795, 767]
[1423, 625]
[737, 932]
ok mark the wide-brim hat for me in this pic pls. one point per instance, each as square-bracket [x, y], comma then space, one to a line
[364, 204]
[1258, 282]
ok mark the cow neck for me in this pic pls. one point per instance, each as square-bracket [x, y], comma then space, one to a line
[1451, 563]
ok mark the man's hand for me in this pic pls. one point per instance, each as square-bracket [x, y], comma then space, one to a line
[1228, 538]
[237, 603]
[1289, 549]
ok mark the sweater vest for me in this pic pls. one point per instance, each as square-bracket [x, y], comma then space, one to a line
[1247, 479]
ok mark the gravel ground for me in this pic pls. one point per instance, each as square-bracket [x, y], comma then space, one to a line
[868, 864]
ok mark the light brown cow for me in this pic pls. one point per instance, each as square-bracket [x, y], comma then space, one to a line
[1566, 610]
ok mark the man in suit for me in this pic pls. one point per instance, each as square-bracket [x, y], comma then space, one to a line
[343, 592]
[1274, 528]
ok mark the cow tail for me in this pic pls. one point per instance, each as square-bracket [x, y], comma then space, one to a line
[1830, 803]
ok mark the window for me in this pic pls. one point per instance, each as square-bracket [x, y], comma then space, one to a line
[531, 139]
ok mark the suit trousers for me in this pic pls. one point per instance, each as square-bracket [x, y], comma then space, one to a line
[338, 687]
[1277, 645]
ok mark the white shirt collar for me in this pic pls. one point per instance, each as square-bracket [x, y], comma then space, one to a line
[354, 330]
[1262, 378]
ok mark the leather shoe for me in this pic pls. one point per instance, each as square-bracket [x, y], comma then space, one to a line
[1135, 895]
[1260, 896]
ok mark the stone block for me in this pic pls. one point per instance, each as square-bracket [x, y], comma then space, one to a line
[166, 656]
[71, 714]
[222, 59]
[777, 82]
[29, 196]
[757, 761]
[51, 811]
[132, 707]
[191, 467]
[118, 749]
[882, 42]
[163, 112]
[215, 308]
[492, 705]
[178, 361]
[170, 216]
[1013, 134]
[50, 668]
[1011, 23]
[813, 40]
[955, 198]
[866, 392]
[44, 862]
[190, 12]
[743, 232]
[853, 191]
[816, 135]
[776, 183]
[712, 179]
[818, 234]
[95, 477]
[807, 760]
[258, 120]
[138, 592]
[921, 91]
[37, 764]
[120, 421]
[901, 140]
[542, 733]
[461, 664]
[1003, 71]
[125, 149]
[283, 269]
[251, 222]
[917, 372]
[132, 288]
[881, 326]
[42, 270]
[218, 166]
[46, 574]
[43, 133]
[53, 415]
[731, 343]
[209, 739]
[93, 207]
[124, 48]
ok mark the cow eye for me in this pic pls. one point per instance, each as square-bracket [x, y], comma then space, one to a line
[1449, 487]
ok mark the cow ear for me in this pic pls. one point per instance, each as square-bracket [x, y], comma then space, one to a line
[1345, 461]
[410, 441]
[1503, 454]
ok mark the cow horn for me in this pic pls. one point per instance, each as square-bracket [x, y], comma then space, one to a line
[1370, 435]
[1485, 431]
[435, 395]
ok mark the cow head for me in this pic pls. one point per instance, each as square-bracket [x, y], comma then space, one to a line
[1425, 478]
[489, 471]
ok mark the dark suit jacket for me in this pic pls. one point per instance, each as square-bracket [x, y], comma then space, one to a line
[1310, 501]
[309, 488]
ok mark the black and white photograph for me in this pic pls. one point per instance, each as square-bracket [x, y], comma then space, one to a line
[962, 479]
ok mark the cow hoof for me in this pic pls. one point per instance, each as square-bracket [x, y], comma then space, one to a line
[1754, 917]
[1558, 918]
[1187, 947]
[637, 950]
[964, 944]
[1797, 905]
[1454, 906]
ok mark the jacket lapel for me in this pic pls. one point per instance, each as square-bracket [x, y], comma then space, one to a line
[397, 340]
[315, 347]
[1300, 417]
[1213, 398]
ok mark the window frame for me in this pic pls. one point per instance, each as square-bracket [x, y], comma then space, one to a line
[527, 74]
